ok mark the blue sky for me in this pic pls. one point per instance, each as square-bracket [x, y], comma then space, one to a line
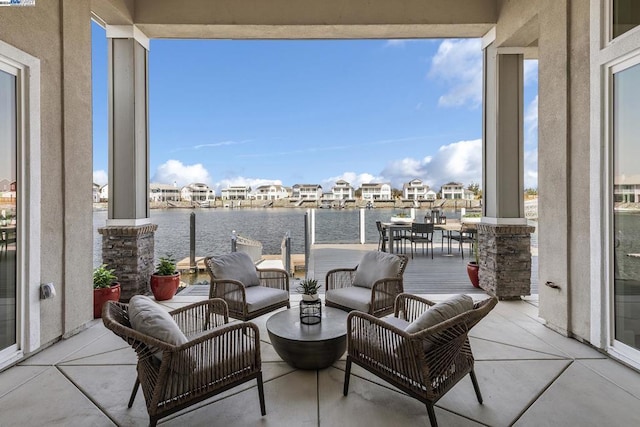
[230, 112]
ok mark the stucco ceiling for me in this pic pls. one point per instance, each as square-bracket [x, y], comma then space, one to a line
[301, 19]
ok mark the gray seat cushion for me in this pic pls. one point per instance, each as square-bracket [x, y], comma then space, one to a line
[376, 265]
[440, 312]
[396, 322]
[235, 266]
[259, 297]
[356, 298]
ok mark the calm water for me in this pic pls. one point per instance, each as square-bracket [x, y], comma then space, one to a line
[214, 228]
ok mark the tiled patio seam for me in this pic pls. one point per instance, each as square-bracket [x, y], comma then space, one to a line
[524, 411]
[87, 395]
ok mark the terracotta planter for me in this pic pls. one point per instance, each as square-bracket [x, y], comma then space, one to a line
[102, 295]
[164, 287]
[472, 271]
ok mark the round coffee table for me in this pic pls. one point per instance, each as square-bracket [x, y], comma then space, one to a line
[309, 346]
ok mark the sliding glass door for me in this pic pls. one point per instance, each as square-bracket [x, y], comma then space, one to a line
[626, 208]
[8, 210]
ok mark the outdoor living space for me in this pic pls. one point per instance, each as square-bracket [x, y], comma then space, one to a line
[528, 375]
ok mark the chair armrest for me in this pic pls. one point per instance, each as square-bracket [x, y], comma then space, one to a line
[383, 295]
[274, 278]
[200, 316]
[409, 307]
[232, 291]
[371, 338]
[339, 278]
[232, 350]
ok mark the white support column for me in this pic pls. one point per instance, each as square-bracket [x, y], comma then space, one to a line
[503, 154]
[504, 237]
[128, 126]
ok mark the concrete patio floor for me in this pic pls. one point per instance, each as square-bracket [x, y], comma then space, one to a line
[528, 375]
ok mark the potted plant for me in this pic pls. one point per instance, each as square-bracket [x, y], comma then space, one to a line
[474, 266]
[105, 288]
[309, 289]
[166, 279]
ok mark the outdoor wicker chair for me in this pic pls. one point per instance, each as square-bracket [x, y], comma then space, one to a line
[424, 364]
[249, 292]
[371, 286]
[187, 355]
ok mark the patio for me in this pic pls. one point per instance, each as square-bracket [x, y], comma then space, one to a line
[528, 374]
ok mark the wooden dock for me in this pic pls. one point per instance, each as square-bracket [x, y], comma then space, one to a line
[268, 261]
[443, 274]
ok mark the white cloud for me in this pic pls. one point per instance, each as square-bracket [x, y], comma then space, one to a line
[531, 123]
[460, 161]
[531, 144]
[530, 71]
[100, 177]
[531, 168]
[174, 171]
[458, 64]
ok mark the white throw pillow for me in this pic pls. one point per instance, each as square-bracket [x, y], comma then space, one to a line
[376, 265]
[147, 317]
[440, 312]
[235, 266]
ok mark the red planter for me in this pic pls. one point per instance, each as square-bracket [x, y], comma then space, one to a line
[164, 287]
[472, 271]
[102, 295]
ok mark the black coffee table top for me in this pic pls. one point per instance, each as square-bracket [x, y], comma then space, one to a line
[286, 324]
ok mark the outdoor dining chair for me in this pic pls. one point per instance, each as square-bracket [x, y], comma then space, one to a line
[187, 355]
[421, 233]
[423, 350]
[383, 237]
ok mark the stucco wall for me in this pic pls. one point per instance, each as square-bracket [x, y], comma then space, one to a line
[50, 31]
[563, 151]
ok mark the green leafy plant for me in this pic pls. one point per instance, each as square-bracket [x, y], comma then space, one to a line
[103, 277]
[166, 266]
[308, 287]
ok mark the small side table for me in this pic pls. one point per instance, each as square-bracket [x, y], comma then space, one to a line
[309, 346]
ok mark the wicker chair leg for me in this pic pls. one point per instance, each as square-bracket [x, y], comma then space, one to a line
[347, 374]
[432, 415]
[134, 392]
[474, 380]
[153, 421]
[263, 409]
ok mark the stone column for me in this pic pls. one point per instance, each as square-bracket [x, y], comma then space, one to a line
[505, 259]
[128, 238]
[503, 235]
[129, 250]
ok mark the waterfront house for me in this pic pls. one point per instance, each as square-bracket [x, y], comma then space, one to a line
[415, 190]
[164, 193]
[307, 192]
[96, 193]
[197, 192]
[270, 192]
[582, 48]
[430, 196]
[104, 193]
[375, 191]
[236, 192]
[626, 189]
[452, 190]
[342, 190]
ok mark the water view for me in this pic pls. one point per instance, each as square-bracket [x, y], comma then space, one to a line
[214, 228]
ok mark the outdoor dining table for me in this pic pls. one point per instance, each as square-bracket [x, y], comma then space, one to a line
[450, 227]
[395, 227]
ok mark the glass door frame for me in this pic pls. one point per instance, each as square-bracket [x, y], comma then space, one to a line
[616, 348]
[28, 178]
[15, 349]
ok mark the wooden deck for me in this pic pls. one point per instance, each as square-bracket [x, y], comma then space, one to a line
[441, 275]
